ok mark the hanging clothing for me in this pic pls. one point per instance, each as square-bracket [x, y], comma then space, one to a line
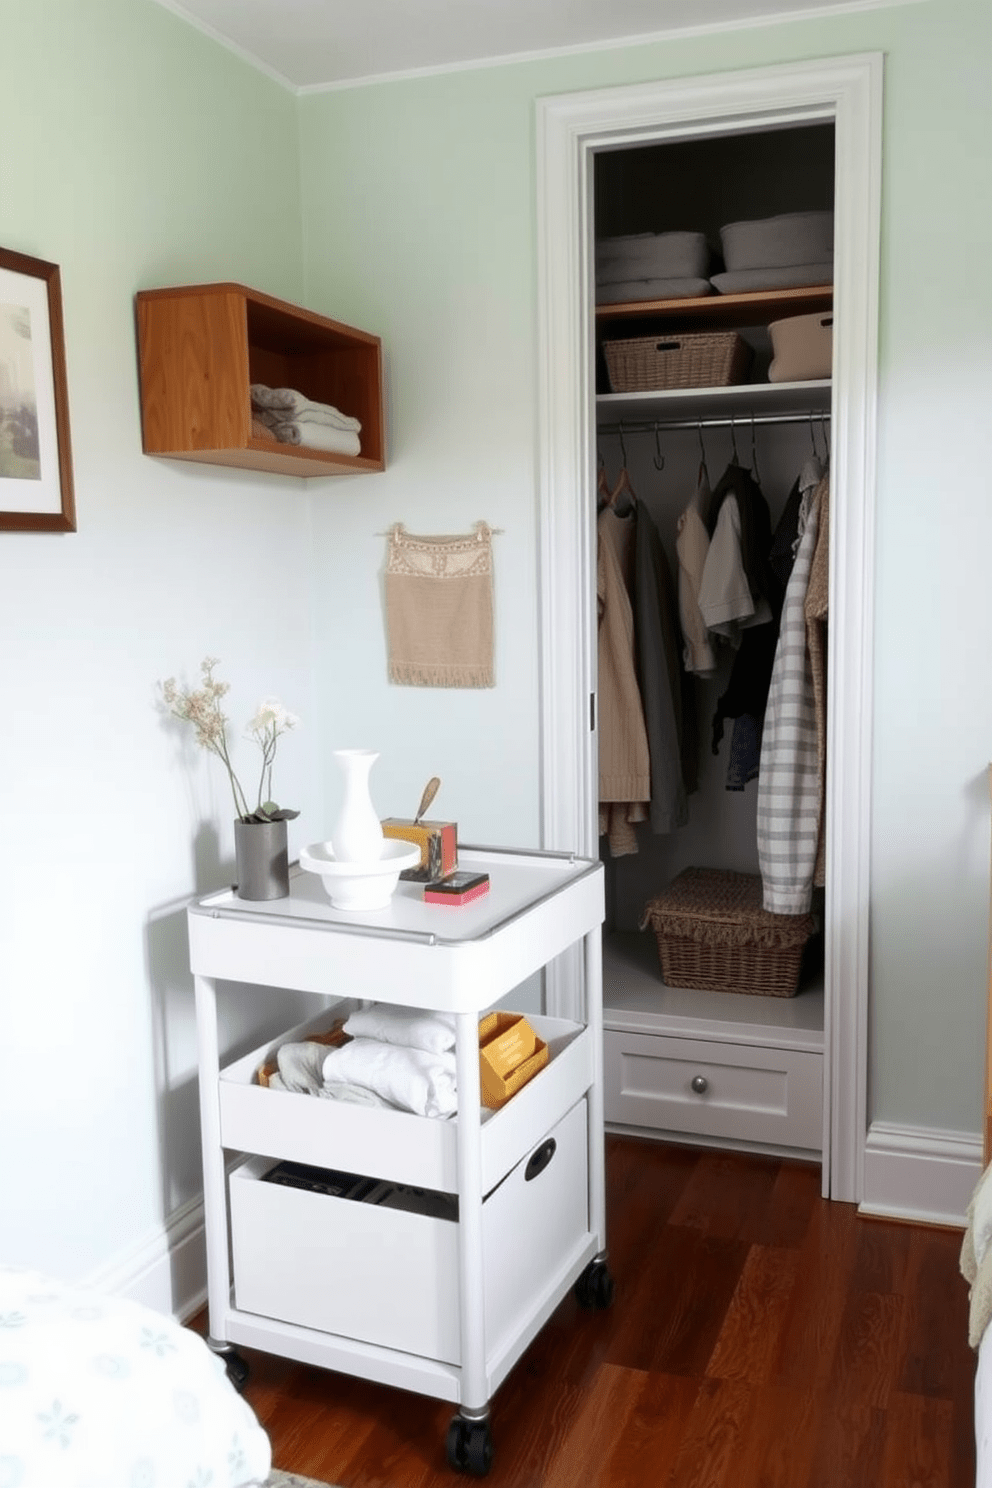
[726, 602]
[789, 797]
[624, 760]
[692, 546]
[817, 604]
[739, 505]
[660, 677]
[748, 530]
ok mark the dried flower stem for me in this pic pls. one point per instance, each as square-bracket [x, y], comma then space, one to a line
[202, 708]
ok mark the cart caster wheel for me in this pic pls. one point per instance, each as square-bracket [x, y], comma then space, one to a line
[594, 1287]
[237, 1369]
[470, 1446]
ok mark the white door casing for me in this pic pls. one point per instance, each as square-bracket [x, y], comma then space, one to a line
[570, 129]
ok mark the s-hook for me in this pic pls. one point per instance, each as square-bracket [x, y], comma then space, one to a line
[658, 457]
[623, 446]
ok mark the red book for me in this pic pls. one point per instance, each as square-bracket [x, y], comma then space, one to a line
[457, 888]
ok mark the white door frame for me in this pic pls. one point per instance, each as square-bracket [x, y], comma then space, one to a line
[570, 129]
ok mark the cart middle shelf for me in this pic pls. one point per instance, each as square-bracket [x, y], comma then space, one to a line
[381, 1143]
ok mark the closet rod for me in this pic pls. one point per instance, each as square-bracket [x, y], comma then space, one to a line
[744, 421]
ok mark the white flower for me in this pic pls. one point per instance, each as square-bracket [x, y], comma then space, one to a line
[272, 715]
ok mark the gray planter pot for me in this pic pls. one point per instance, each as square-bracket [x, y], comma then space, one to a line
[262, 859]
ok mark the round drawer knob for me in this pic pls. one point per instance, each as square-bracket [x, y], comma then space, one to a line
[700, 1084]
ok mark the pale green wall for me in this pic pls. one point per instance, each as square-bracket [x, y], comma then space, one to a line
[133, 153]
[419, 222]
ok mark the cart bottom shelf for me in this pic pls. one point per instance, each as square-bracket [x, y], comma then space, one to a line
[390, 1276]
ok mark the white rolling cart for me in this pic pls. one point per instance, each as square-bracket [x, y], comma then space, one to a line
[445, 1297]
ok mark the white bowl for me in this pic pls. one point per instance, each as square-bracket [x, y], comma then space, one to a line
[360, 886]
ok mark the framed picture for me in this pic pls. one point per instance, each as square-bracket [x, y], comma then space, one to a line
[35, 458]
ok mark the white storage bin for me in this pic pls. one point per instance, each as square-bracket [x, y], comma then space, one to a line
[802, 348]
[389, 1276]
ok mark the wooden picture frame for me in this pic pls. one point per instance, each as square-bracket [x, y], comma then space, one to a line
[36, 492]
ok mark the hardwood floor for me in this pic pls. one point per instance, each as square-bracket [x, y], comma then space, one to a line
[759, 1338]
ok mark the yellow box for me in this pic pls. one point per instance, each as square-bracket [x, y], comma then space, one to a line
[438, 843]
[510, 1054]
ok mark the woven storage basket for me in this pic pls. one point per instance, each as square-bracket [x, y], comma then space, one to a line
[700, 359]
[713, 934]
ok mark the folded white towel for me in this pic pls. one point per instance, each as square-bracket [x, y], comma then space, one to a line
[288, 404]
[410, 1027]
[413, 1079]
[318, 436]
[327, 417]
[355, 1095]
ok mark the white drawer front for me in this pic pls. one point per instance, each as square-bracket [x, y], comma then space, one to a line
[390, 1277]
[751, 1093]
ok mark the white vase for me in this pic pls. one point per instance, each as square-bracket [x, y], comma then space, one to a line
[357, 836]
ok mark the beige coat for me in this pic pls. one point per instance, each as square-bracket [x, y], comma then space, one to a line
[624, 760]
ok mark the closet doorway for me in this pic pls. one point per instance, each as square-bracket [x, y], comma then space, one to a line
[573, 130]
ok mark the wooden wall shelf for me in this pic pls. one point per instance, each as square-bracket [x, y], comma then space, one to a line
[201, 346]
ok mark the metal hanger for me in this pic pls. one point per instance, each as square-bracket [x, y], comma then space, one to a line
[754, 455]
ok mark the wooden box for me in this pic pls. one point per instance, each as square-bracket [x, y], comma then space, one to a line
[438, 843]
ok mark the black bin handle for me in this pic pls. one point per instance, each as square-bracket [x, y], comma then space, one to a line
[538, 1160]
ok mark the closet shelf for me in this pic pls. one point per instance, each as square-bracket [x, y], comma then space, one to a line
[636, 1000]
[722, 402]
[716, 312]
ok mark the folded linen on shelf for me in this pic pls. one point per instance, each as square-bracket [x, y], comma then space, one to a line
[317, 436]
[412, 1079]
[410, 1027]
[777, 242]
[301, 1072]
[288, 404]
[796, 276]
[627, 291]
[670, 255]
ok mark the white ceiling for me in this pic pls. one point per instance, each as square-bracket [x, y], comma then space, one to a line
[320, 43]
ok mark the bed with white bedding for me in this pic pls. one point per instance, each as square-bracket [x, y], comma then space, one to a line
[100, 1392]
[976, 1267]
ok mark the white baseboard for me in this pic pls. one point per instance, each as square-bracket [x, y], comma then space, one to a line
[920, 1174]
[167, 1271]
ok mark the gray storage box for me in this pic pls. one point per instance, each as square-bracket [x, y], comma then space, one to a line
[779, 242]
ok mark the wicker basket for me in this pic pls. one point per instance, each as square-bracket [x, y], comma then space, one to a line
[699, 359]
[714, 934]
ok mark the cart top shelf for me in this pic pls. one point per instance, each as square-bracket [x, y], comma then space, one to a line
[456, 957]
